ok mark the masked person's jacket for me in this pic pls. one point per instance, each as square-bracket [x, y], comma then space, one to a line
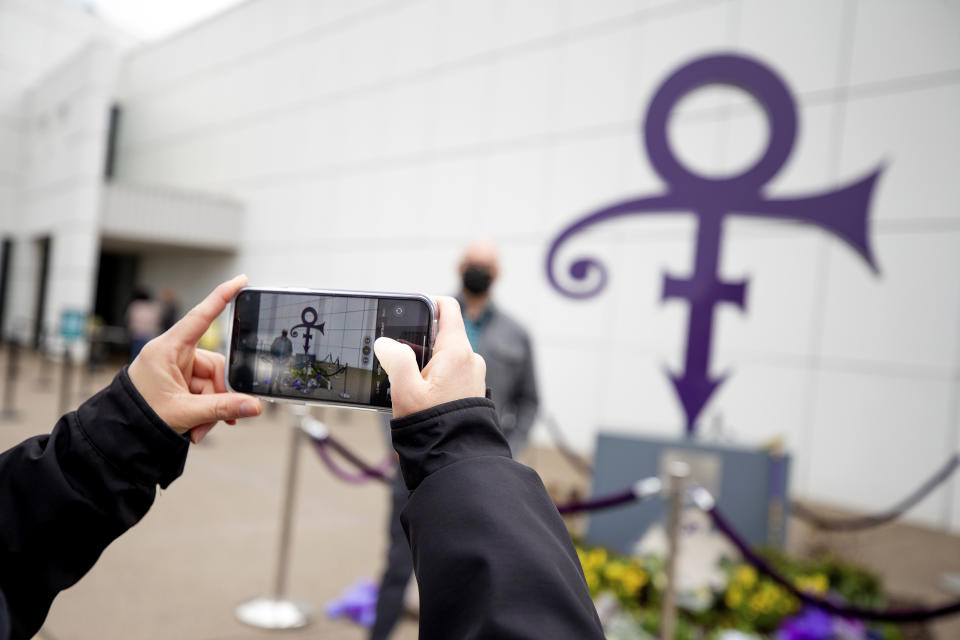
[492, 556]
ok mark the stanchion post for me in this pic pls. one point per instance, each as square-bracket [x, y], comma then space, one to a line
[9, 412]
[90, 368]
[679, 473]
[65, 374]
[286, 520]
[277, 611]
[43, 353]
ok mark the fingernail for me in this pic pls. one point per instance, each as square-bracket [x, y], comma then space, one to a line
[248, 409]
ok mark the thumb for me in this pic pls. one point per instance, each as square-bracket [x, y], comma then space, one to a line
[213, 407]
[399, 361]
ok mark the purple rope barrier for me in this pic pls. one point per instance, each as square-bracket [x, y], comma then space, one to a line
[652, 486]
[640, 491]
[875, 520]
[899, 615]
[600, 502]
[381, 472]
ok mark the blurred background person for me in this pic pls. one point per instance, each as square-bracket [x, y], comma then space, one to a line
[280, 351]
[506, 349]
[144, 321]
[170, 305]
[503, 343]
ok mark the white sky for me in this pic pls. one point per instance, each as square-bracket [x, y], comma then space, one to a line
[154, 19]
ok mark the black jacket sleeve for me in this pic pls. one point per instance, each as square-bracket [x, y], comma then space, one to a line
[65, 496]
[527, 401]
[491, 554]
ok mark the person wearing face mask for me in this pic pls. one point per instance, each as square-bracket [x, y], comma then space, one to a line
[503, 343]
[505, 347]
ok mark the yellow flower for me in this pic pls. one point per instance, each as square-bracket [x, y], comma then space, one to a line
[613, 571]
[632, 580]
[597, 557]
[816, 583]
[642, 576]
[759, 602]
[734, 597]
[593, 581]
[746, 576]
[787, 605]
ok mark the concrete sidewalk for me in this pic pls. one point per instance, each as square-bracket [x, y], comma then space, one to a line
[210, 540]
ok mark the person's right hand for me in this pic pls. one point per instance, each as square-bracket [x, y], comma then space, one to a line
[454, 370]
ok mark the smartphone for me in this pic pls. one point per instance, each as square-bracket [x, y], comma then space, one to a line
[315, 346]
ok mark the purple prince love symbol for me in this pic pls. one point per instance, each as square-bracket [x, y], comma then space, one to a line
[307, 325]
[843, 212]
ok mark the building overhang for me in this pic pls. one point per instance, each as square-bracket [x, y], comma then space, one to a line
[138, 215]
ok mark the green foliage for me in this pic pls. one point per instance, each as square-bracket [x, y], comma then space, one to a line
[855, 585]
[316, 374]
[749, 602]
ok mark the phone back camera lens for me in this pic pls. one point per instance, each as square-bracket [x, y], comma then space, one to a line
[398, 310]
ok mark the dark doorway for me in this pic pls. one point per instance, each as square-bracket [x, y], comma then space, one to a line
[43, 272]
[116, 281]
[5, 250]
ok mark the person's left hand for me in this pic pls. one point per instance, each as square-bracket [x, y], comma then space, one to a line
[183, 384]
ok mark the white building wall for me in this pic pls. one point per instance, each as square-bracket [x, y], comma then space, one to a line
[371, 140]
[35, 37]
[61, 167]
[51, 110]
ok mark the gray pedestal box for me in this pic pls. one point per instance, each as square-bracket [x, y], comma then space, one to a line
[750, 486]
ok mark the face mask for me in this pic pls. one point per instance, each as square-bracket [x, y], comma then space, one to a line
[477, 280]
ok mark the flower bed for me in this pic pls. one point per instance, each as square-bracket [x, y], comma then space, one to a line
[743, 605]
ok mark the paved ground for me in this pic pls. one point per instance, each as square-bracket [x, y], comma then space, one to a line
[210, 540]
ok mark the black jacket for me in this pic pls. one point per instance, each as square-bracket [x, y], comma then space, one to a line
[491, 553]
[65, 496]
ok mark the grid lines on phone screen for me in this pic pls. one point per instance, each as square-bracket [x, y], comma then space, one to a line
[346, 321]
[315, 346]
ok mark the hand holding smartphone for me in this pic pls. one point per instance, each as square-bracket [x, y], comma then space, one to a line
[455, 372]
[316, 346]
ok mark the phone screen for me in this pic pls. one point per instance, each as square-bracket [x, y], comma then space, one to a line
[319, 347]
